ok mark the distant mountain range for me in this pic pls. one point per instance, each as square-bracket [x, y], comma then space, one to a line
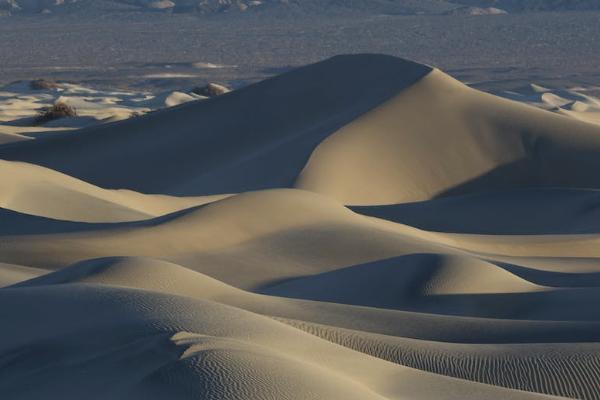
[534, 5]
[232, 6]
[408, 7]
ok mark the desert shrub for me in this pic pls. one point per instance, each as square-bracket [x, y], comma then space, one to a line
[43, 84]
[58, 110]
[211, 90]
[137, 114]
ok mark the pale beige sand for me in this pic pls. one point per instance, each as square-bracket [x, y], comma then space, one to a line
[440, 137]
[35, 190]
[11, 274]
[261, 282]
[20, 104]
[581, 103]
[11, 135]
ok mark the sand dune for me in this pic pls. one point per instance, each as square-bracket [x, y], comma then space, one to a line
[581, 103]
[22, 102]
[39, 191]
[11, 274]
[527, 211]
[475, 142]
[494, 142]
[238, 354]
[570, 370]
[275, 124]
[296, 240]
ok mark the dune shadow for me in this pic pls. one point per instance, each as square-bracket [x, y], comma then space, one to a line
[258, 137]
[16, 223]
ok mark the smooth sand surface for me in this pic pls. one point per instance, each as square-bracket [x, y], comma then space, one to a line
[360, 228]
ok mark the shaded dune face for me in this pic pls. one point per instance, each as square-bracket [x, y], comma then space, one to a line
[526, 211]
[361, 228]
[255, 138]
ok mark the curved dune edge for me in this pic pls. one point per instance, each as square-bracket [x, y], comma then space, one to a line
[529, 211]
[562, 362]
[293, 240]
[440, 138]
[484, 360]
[275, 125]
[238, 354]
[11, 274]
[39, 191]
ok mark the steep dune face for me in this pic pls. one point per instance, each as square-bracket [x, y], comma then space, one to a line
[438, 137]
[441, 138]
[275, 125]
[334, 283]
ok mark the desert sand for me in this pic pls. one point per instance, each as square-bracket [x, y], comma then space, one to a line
[21, 103]
[361, 228]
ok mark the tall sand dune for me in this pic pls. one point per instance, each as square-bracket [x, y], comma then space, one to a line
[441, 138]
[361, 228]
[274, 124]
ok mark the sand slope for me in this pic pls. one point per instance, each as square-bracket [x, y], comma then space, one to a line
[291, 240]
[35, 190]
[441, 138]
[274, 124]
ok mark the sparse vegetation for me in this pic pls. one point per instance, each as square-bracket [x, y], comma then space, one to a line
[44, 84]
[136, 114]
[211, 90]
[57, 111]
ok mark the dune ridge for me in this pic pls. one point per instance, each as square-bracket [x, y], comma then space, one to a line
[291, 240]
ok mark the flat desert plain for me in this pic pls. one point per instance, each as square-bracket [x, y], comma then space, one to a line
[364, 228]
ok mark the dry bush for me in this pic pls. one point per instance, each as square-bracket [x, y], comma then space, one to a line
[44, 84]
[58, 110]
[211, 90]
